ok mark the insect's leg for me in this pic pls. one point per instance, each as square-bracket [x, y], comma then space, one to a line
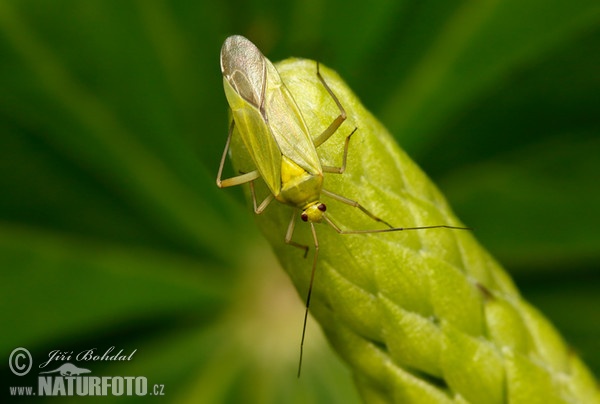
[237, 180]
[310, 285]
[355, 205]
[342, 168]
[290, 233]
[322, 138]
[258, 209]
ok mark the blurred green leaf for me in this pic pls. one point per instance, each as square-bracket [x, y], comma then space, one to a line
[552, 199]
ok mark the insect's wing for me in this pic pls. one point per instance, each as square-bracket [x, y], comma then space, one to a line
[243, 66]
[266, 115]
[245, 82]
[287, 124]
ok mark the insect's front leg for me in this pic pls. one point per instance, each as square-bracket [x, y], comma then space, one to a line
[290, 233]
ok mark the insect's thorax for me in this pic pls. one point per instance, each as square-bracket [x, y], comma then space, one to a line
[299, 188]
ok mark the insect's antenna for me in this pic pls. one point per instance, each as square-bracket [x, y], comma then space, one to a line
[339, 230]
[310, 285]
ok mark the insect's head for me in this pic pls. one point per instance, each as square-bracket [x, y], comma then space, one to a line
[313, 212]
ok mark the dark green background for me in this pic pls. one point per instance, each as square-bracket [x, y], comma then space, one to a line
[113, 120]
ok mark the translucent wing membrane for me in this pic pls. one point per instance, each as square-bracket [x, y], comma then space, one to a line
[243, 66]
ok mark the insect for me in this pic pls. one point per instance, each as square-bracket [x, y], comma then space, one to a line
[277, 139]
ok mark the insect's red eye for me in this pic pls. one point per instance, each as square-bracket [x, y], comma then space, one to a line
[304, 216]
[322, 207]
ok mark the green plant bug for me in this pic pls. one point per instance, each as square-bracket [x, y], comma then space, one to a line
[275, 135]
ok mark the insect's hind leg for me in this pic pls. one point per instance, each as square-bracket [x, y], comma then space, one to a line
[237, 180]
[333, 127]
[337, 122]
[355, 205]
[342, 168]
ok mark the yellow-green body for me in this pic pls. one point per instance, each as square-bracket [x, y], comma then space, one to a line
[271, 126]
